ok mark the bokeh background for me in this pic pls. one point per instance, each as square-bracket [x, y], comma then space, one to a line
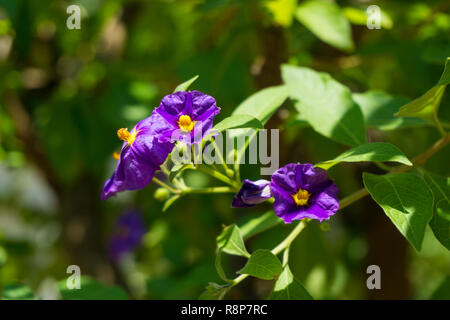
[64, 93]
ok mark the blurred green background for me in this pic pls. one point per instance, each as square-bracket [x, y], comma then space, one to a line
[64, 93]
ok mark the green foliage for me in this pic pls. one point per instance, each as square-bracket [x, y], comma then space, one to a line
[185, 85]
[91, 289]
[406, 200]
[377, 151]
[426, 106]
[238, 121]
[288, 288]
[230, 241]
[262, 264]
[327, 21]
[379, 107]
[326, 104]
[440, 223]
[263, 103]
[17, 292]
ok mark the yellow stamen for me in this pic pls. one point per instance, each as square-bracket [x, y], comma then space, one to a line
[185, 123]
[116, 155]
[301, 197]
[126, 136]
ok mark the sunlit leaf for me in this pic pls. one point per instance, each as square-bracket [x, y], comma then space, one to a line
[238, 121]
[426, 106]
[259, 224]
[230, 241]
[185, 85]
[17, 292]
[288, 288]
[377, 151]
[379, 107]
[262, 264]
[326, 104]
[327, 21]
[406, 200]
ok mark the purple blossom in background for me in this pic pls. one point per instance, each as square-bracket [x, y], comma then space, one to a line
[184, 114]
[300, 191]
[303, 191]
[127, 234]
[252, 193]
[142, 154]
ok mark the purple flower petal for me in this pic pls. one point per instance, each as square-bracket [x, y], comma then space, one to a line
[252, 193]
[322, 199]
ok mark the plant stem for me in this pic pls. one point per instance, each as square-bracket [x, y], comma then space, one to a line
[438, 124]
[288, 240]
[211, 190]
[164, 185]
[355, 196]
[219, 154]
[219, 176]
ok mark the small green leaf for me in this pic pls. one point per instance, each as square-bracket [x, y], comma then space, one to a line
[406, 200]
[17, 292]
[288, 288]
[426, 106]
[214, 291]
[259, 224]
[92, 289]
[326, 20]
[230, 241]
[179, 168]
[379, 107]
[238, 121]
[326, 104]
[185, 85]
[440, 223]
[377, 151]
[262, 264]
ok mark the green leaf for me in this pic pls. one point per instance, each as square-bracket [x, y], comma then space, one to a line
[238, 121]
[326, 20]
[185, 85]
[17, 292]
[179, 168]
[259, 224]
[406, 200]
[377, 151]
[263, 104]
[440, 223]
[326, 104]
[282, 11]
[426, 106]
[288, 288]
[214, 291]
[262, 264]
[379, 107]
[230, 241]
[91, 289]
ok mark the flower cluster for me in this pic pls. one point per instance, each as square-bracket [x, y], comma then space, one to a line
[300, 191]
[147, 146]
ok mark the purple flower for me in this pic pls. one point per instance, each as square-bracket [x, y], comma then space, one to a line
[127, 234]
[252, 193]
[142, 154]
[300, 191]
[303, 191]
[185, 114]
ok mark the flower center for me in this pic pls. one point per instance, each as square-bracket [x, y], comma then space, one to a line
[301, 197]
[185, 123]
[126, 136]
